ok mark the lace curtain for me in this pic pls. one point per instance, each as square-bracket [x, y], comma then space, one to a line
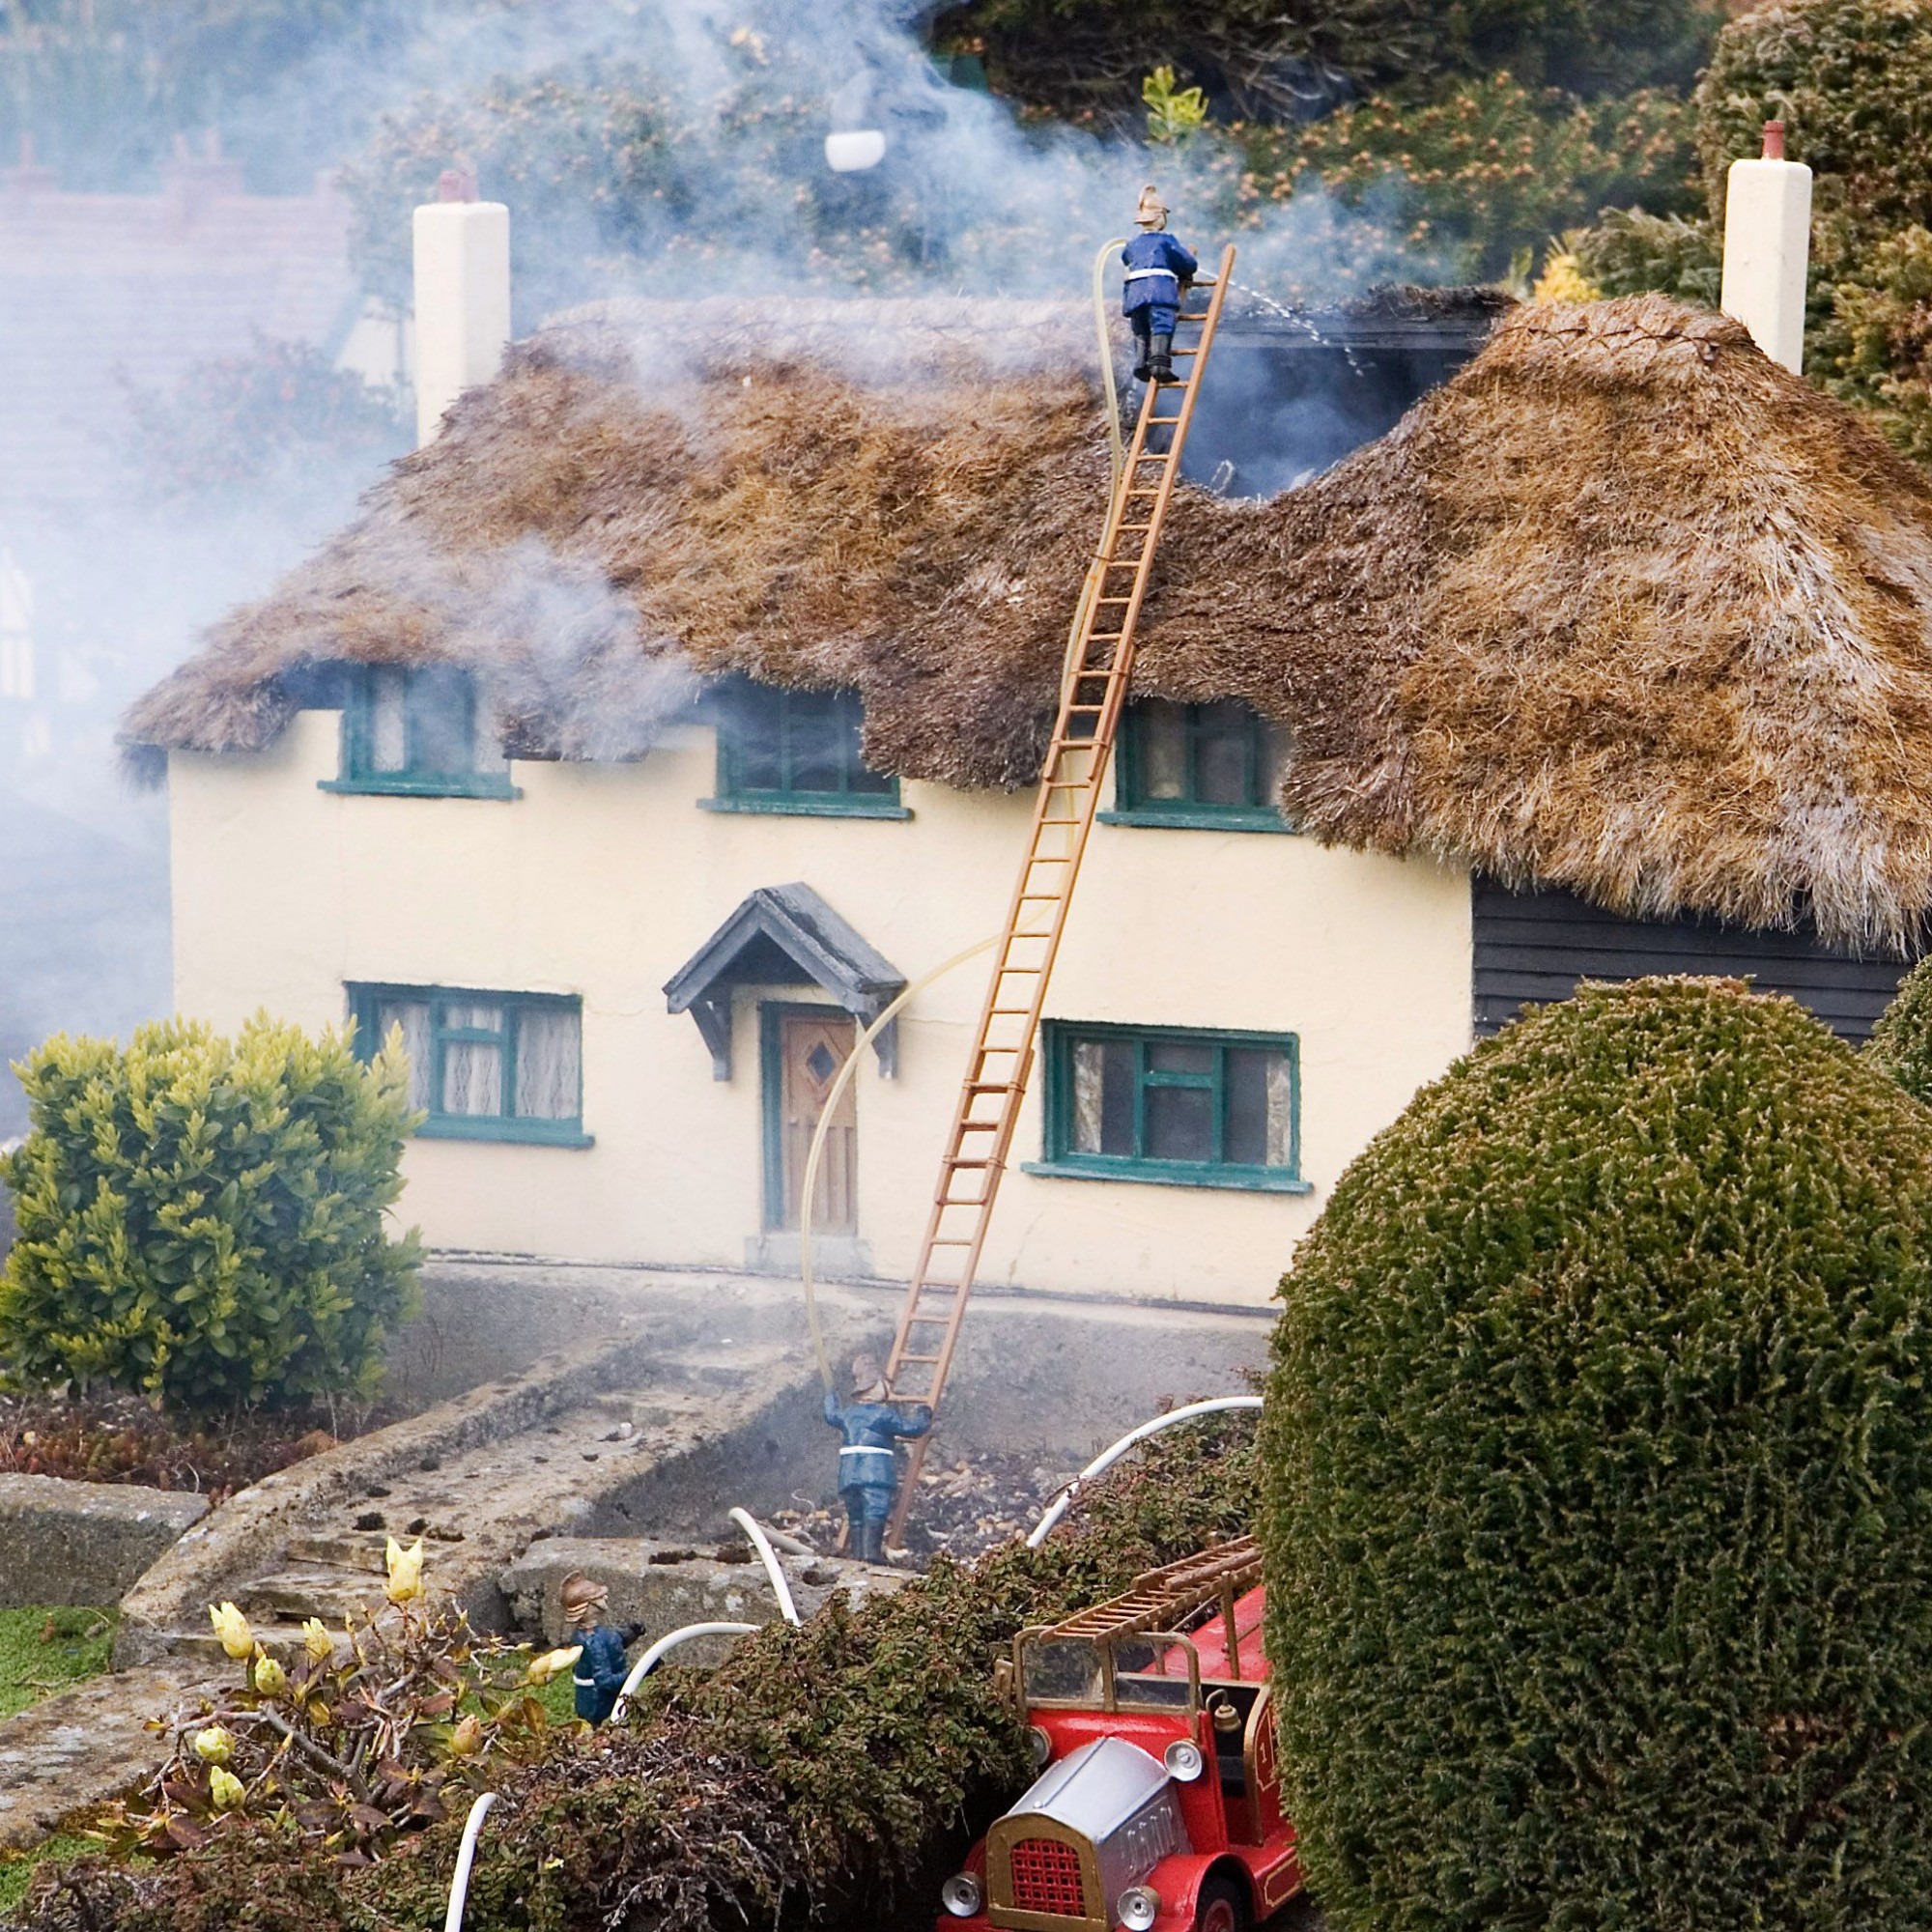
[550, 1063]
[413, 1017]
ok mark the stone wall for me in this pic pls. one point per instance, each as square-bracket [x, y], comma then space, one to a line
[84, 1543]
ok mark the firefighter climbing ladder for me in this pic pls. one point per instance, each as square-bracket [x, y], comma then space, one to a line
[1092, 690]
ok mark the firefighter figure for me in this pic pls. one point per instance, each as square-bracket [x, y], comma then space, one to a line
[867, 1473]
[1158, 271]
[601, 1669]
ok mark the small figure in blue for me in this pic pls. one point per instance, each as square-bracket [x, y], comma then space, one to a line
[1158, 271]
[601, 1669]
[867, 1473]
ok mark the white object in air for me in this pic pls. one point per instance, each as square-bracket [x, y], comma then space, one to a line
[1057, 1509]
[462, 302]
[657, 1653]
[466, 1857]
[854, 150]
[1768, 251]
[768, 1557]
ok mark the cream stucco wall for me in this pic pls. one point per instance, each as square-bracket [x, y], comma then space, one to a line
[601, 880]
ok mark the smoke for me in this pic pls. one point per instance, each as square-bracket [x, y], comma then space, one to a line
[658, 148]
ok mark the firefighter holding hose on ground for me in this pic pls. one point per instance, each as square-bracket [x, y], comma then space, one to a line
[867, 1473]
[1158, 271]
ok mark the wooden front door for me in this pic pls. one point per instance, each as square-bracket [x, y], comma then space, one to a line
[804, 1047]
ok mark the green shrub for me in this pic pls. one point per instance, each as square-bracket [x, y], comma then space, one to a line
[203, 1219]
[1631, 250]
[1901, 1043]
[1597, 1487]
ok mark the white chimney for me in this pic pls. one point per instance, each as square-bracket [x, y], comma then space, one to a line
[462, 295]
[1768, 249]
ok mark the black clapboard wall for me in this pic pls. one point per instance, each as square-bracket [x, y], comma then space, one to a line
[1534, 947]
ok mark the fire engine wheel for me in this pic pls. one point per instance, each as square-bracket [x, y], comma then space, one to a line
[1221, 1908]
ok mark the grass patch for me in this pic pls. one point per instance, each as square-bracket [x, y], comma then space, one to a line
[43, 1650]
[17, 1868]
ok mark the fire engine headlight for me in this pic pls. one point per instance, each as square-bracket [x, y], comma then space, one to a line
[962, 1895]
[1184, 1760]
[1040, 1744]
[1138, 1906]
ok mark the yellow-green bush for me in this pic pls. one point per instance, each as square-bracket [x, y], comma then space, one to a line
[1901, 1043]
[1597, 1472]
[206, 1220]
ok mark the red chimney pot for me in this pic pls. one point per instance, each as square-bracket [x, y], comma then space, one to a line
[456, 184]
[1773, 140]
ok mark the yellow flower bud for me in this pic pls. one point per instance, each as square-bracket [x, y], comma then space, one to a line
[405, 1571]
[465, 1737]
[215, 1745]
[227, 1789]
[553, 1663]
[317, 1642]
[271, 1679]
[231, 1627]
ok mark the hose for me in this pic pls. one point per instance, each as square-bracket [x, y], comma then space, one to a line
[769, 1557]
[818, 1134]
[1116, 447]
[656, 1655]
[1057, 1509]
[466, 1857]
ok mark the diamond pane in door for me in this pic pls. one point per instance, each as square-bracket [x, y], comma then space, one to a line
[811, 1052]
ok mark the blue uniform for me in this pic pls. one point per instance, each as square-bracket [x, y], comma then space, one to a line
[599, 1672]
[1156, 267]
[866, 1473]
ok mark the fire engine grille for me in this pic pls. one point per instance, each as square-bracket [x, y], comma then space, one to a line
[1046, 1878]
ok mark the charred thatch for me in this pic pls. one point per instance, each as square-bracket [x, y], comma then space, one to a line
[1623, 607]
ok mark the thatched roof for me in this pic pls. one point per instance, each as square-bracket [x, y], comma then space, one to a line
[1623, 607]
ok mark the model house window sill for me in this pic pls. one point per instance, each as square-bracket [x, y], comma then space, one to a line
[833, 804]
[492, 1127]
[1194, 819]
[1172, 1174]
[483, 785]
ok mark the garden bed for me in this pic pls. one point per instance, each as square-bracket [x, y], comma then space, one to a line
[124, 1439]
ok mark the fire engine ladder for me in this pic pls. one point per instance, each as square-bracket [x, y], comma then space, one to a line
[1163, 1600]
[1092, 690]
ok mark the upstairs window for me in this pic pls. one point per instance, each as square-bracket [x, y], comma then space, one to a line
[1210, 766]
[796, 752]
[420, 731]
[1185, 1106]
[483, 1066]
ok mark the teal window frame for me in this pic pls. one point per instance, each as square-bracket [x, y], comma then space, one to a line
[365, 997]
[1134, 805]
[1062, 1160]
[418, 776]
[787, 716]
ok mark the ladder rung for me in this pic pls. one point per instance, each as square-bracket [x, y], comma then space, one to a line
[926, 1361]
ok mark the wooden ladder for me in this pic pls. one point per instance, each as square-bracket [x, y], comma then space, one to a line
[1092, 690]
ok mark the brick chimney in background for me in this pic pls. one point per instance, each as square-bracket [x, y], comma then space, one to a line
[189, 180]
[462, 295]
[29, 176]
[1768, 249]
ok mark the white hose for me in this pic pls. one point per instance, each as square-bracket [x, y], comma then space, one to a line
[818, 1134]
[657, 1653]
[769, 1556]
[1056, 1511]
[466, 1857]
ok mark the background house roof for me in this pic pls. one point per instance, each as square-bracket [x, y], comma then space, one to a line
[100, 291]
[1623, 607]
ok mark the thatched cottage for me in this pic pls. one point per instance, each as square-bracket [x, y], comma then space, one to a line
[653, 725]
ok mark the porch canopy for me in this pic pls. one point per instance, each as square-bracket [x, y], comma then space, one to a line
[779, 936]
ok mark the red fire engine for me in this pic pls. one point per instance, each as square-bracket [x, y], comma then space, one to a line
[1158, 1805]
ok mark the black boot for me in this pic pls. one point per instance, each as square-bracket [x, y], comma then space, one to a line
[1141, 354]
[1160, 365]
[868, 1542]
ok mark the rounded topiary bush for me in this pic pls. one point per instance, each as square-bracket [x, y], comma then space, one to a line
[1598, 1467]
[1901, 1043]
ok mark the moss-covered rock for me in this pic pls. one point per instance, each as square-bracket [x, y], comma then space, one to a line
[1901, 1043]
[1598, 1469]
